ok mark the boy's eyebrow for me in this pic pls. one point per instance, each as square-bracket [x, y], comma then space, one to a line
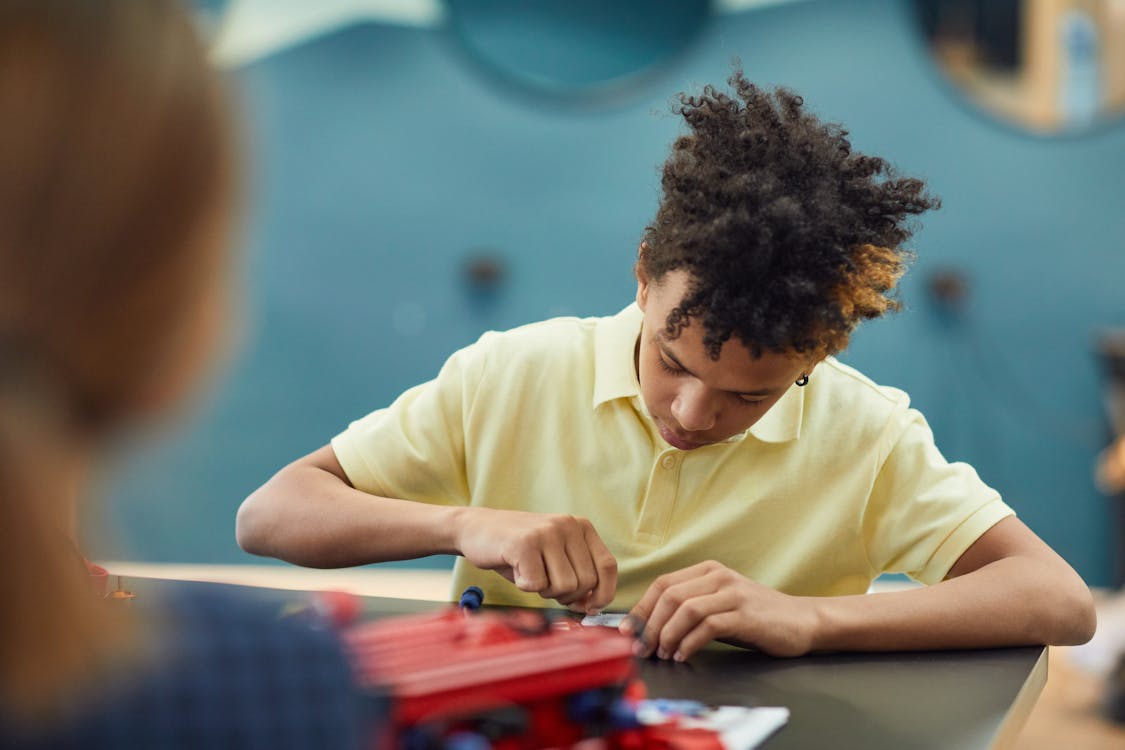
[756, 394]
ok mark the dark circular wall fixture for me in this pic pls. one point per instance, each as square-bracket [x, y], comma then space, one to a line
[584, 52]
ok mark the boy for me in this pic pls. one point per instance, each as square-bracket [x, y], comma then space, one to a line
[699, 457]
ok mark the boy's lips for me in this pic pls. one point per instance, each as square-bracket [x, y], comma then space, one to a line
[673, 439]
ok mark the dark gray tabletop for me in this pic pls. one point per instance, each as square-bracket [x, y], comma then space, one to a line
[952, 700]
[947, 700]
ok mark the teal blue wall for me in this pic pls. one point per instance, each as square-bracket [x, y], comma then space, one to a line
[381, 159]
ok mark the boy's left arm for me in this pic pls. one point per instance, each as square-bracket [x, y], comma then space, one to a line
[1008, 589]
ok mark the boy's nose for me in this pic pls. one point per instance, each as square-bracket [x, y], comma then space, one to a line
[694, 409]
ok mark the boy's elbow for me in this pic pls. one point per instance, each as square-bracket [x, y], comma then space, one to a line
[250, 527]
[1086, 618]
[1075, 618]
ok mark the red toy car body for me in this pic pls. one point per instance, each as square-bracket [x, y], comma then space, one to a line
[525, 680]
[515, 680]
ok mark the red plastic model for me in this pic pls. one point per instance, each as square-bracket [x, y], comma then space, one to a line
[509, 680]
[525, 680]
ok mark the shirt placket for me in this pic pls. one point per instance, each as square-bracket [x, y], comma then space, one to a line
[660, 497]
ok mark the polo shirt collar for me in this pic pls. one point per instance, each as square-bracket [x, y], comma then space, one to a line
[615, 376]
[615, 371]
[782, 422]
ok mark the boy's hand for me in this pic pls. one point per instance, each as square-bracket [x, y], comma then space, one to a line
[556, 556]
[685, 610]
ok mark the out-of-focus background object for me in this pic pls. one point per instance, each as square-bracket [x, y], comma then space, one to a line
[534, 47]
[1110, 470]
[1046, 66]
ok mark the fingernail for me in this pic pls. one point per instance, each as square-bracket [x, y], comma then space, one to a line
[638, 649]
[678, 656]
[660, 652]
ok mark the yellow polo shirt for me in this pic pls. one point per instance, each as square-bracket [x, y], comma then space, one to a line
[839, 481]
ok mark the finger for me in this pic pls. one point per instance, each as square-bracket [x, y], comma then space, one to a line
[561, 580]
[670, 602]
[696, 615]
[530, 572]
[605, 566]
[714, 626]
[643, 609]
[582, 563]
[585, 575]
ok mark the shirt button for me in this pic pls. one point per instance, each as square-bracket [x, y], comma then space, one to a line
[668, 461]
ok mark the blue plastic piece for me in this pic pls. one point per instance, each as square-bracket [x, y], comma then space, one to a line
[623, 714]
[587, 706]
[471, 598]
[677, 707]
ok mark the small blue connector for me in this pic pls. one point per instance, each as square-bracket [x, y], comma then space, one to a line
[471, 598]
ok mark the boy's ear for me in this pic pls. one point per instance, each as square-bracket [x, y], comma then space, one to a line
[642, 282]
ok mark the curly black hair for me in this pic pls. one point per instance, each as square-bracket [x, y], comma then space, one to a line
[790, 237]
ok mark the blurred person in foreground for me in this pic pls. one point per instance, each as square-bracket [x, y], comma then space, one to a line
[116, 192]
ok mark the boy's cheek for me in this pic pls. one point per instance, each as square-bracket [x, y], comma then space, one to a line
[657, 400]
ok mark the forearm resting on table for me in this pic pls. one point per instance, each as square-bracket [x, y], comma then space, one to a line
[1013, 601]
[309, 516]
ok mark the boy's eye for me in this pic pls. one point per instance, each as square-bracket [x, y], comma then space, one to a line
[672, 369]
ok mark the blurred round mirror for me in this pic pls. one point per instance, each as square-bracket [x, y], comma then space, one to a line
[575, 50]
[209, 15]
[1047, 66]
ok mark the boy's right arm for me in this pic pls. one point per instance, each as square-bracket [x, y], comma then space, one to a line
[309, 514]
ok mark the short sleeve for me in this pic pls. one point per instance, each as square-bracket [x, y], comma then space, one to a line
[924, 511]
[415, 448]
